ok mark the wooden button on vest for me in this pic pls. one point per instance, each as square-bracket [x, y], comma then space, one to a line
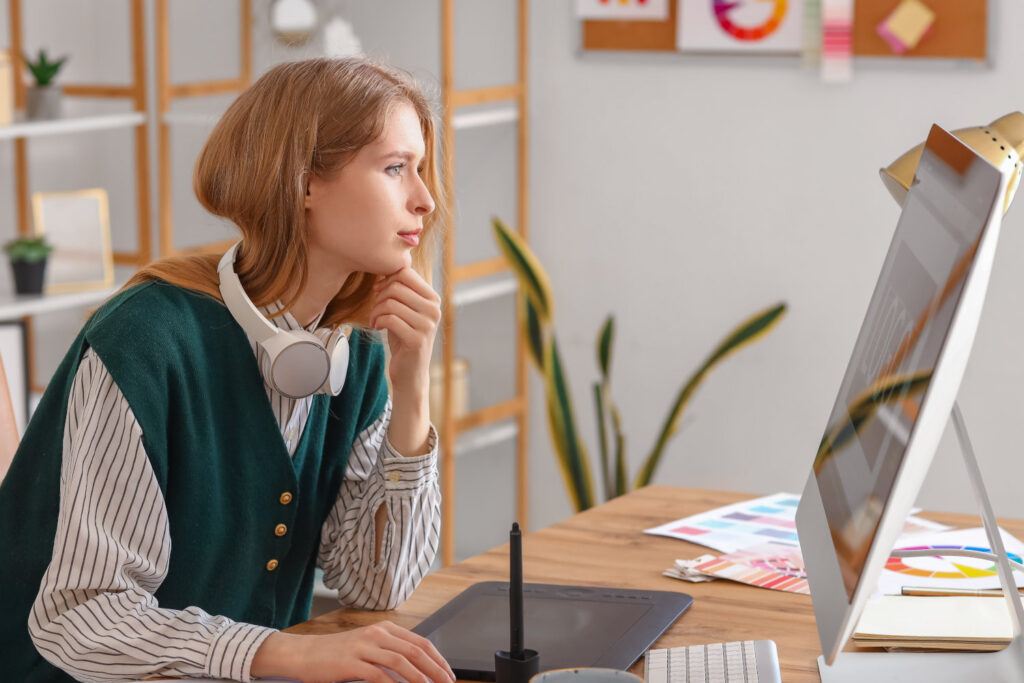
[272, 565]
[286, 498]
[280, 530]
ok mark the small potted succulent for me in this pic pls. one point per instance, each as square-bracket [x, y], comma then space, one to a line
[43, 100]
[28, 257]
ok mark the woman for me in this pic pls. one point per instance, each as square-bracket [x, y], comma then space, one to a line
[162, 516]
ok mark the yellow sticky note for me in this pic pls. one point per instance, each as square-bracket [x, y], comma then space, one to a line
[906, 25]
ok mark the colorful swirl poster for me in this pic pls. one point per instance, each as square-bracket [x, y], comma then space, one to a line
[740, 26]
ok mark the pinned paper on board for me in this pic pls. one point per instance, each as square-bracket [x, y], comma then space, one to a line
[623, 10]
[904, 28]
[740, 26]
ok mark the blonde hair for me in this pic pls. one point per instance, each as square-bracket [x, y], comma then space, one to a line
[299, 119]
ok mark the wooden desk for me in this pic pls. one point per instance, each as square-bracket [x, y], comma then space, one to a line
[606, 546]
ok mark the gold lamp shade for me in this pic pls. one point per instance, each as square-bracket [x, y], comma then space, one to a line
[1000, 142]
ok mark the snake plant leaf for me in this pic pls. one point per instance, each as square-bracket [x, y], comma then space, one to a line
[531, 274]
[620, 449]
[620, 465]
[604, 347]
[572, 454]
[602, 439]
[885, 390]
[533, 332]
[746, 332]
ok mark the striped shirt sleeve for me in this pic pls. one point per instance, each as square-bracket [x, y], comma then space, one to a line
[95, 616]
[408, 488]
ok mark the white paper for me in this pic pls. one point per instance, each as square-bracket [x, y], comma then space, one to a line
[737, 526]
[740, 26]
[754, 522]
[644, 10]
[934, 618]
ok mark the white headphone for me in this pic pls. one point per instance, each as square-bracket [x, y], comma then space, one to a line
[299, 364]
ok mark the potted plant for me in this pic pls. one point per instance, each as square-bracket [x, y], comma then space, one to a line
[42, 100]
[28, 262]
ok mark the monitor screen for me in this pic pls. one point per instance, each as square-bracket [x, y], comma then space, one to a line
[904, 331]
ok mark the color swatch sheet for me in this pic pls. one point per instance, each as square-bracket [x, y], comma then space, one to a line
[949, 571]
[771, 519]
[771, 565]
[738, 526]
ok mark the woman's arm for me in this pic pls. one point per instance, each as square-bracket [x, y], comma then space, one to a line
[95, 615]
[376, 565]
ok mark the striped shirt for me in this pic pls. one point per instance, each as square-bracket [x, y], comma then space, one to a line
[96, 616]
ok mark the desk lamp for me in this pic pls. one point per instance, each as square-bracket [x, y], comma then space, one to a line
[1000, 142]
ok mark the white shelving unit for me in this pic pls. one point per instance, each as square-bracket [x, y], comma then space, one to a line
[490, 117]
[463, 121]
[475, 293]
[19, 305]
[29, 129]
[485, 436]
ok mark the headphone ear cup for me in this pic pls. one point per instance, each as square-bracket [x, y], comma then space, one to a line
[298, 363]
[339, 364]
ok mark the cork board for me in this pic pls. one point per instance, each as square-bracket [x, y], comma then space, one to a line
[959, 31]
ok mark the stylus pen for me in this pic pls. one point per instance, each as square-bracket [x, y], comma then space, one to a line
[515, 591]
[956, 592]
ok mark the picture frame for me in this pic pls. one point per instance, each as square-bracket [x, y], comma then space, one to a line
[77, 224]
[14, 352]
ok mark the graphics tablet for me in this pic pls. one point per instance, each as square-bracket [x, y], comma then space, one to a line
[569, 626]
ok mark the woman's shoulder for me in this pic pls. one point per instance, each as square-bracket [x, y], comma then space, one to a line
[154, 302]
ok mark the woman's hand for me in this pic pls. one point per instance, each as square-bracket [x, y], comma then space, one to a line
[359, 653]
[409, 309]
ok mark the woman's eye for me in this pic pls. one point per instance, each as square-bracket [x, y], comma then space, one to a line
[395, 170]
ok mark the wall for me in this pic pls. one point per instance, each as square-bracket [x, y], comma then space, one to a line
[689, 191]
[680, 193]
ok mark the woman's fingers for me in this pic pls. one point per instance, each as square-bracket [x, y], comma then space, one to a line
[405, 334]
[411, 279]
[425, 648]
[401, 310]
[399, 291]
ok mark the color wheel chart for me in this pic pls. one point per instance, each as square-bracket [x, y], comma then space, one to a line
[939, 567]
[949, 571]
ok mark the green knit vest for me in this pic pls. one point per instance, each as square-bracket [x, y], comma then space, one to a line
[191, 379]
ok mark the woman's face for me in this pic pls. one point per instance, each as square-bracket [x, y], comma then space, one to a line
[368, 216]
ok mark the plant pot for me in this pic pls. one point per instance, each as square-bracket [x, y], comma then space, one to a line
[43, 102]
[28, 276]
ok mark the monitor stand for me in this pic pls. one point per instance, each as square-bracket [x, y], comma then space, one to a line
[939, 667]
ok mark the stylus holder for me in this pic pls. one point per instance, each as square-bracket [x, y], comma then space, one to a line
[509, 669]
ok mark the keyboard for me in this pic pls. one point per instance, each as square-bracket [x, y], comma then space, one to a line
[747, 661]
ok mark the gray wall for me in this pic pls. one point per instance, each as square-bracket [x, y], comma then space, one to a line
[680, 193]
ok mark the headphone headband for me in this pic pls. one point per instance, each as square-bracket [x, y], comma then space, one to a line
[238, 302]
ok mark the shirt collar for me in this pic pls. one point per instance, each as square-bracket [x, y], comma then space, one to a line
[286, 321]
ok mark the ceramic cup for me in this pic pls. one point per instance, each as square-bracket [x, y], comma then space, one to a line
[586, 675]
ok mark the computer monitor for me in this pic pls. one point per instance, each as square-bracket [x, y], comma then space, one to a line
[900, 384]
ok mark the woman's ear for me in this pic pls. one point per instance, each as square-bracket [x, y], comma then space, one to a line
[309, 195]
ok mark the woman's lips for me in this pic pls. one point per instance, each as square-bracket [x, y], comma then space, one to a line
[412, 237]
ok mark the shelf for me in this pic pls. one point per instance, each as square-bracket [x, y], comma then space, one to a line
[28, 129]
[485, 118]
[192, 118]
[487, 435]
[14, 306]
[459, 121]
[472, 294]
